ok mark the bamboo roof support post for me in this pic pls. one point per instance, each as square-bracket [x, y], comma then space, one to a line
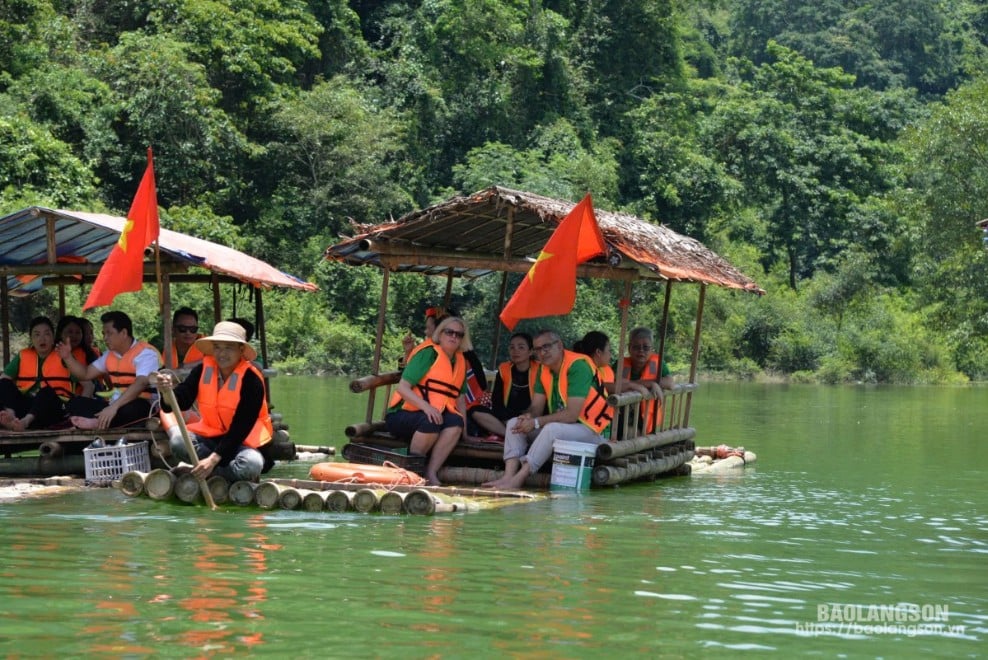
[382, 311]
[625, 304]
[214, 283]
[696, 352]
[166, 314]
[5, 317]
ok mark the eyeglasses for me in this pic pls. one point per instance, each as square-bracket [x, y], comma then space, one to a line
[187, 328]
[545, 348]
[641, 347]
[449, 332]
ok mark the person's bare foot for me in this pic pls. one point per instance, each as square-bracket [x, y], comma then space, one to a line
[84, 422]
[17, 425]
[432, 480]
[7, 416]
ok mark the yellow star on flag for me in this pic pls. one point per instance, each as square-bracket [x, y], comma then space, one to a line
[543, 255]
[122, 242]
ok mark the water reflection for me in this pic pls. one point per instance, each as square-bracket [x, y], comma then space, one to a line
[678, 567]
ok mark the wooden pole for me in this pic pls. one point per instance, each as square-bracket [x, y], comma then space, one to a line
[376, 366]
[189, 447]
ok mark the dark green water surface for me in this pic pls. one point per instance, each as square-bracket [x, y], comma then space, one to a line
[864, 503]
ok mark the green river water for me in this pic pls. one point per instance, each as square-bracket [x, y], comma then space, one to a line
[862, 531]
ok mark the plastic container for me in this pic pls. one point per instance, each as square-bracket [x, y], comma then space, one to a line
[107, 464]
[572, 465]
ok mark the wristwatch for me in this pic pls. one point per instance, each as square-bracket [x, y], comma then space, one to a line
[535, 423]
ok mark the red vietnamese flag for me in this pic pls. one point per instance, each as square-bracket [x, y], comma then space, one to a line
[549, 288]
[124, 269]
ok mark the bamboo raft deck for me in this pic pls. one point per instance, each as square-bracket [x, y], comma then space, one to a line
[632, 456]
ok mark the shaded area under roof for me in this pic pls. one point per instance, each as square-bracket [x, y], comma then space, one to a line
[498, 229]
[37, 242]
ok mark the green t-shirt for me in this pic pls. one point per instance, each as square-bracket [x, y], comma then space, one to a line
[580, 380]
[418, 366]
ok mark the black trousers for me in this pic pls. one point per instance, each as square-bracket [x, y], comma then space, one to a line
[137, 410]
[46, 406]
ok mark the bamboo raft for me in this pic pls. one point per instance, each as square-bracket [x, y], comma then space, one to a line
[319, 496]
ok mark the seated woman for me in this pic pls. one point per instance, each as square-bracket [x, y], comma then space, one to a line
[428, 404]
[35, 383]
[597, 346]
[70, 331]
[514, 385]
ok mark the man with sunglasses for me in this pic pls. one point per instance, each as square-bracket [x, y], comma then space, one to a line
[185, 332]
[569, 388]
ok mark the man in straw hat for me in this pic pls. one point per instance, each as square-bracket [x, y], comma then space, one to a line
[235, 427]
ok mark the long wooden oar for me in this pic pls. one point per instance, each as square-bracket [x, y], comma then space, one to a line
[189, 447]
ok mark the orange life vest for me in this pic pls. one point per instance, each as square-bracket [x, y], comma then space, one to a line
[650, 411]
[606, 374]
[504, 370]
[218, 403]
[441, 385]
[191, 355]
[53, 373]
[596, 412]
[122, 371]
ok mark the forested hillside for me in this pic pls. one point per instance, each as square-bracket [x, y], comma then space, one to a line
[835, 150]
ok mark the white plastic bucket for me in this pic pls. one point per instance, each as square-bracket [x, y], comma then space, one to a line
[572, 465]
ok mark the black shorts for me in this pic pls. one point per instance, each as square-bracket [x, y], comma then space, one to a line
[406, 423]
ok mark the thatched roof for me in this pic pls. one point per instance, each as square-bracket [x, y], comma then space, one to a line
[38, 243]
[498, 229]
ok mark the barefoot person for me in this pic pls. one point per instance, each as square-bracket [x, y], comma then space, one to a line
[568, 385]
[127, 363]
[35, 383]
[429, 404]
[235, 428]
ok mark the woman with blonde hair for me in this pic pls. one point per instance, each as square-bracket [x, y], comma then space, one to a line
[429, 404]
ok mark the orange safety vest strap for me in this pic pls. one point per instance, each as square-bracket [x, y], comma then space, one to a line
[441, 385]
[122, 370]
[218, 404]
[596, 412]
[53, 373]
[504, 370]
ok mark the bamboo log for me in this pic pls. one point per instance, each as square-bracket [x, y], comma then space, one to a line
[404, 488]
[364, 429]
[219, 488]
[610, 475]
[316, 449]
[611, 450]
[391, 502]
[314, 500]
[187, 488]
[267, 494]
[159, 484]
[51, 449]
[367, 500]
[465, 475]
[290, 499]
[420, 502]
[242, 492]
[190, 448]
[339, 501]
[365, 383]
[132, 483]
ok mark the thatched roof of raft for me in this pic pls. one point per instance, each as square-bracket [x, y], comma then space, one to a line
[503, 230]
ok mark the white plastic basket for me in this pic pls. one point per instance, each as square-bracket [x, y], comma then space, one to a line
[106, 464]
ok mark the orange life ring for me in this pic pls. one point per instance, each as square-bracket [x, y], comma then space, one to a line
[358, 473]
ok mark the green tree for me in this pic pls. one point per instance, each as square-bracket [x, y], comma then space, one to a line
[808, 152]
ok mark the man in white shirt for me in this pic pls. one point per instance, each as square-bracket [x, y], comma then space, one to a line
[127, 363]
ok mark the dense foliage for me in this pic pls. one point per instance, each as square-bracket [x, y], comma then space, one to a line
[833, 149]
